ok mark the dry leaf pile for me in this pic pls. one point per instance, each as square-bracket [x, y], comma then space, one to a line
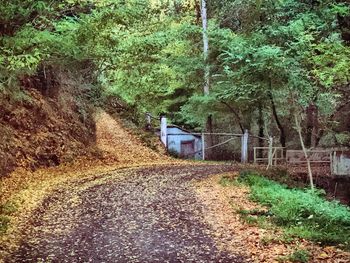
[115, 142]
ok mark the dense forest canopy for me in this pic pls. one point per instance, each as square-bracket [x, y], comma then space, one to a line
[272, 63]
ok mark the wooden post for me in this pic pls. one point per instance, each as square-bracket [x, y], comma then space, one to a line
[203, 147]
[163, 131]
[332, 158]
[255, 155]
[244, 156]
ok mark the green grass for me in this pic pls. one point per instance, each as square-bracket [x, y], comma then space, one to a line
[302, 213]
[300, 255]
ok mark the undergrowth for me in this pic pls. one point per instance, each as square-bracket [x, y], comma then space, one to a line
[299, 255]
[301, 212]
[228, 180]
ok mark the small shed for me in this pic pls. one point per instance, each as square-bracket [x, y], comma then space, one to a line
[184, 143]
[340, 163]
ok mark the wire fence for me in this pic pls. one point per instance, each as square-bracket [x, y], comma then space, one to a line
[218, 146]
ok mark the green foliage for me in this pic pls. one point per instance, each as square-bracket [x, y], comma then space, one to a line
[157, 63]
[303, 213]
[343, 138]
[288, 50]
[300, 255]
[149, 53]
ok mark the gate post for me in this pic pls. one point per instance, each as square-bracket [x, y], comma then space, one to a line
[163, 131]
[203, 147]
[244, 155]
[148, 121]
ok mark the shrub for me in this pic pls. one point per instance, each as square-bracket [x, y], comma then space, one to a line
[299, 255]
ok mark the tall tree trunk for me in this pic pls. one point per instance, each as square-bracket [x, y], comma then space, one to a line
[278, 122]
[209, 124]
[198, 12]
[315, 129]
[205, 47]
[261, 130]
[298, 128]
[311, 125]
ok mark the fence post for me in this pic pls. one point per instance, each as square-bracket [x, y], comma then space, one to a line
[270, 157]
[331, 161]
[203, 147]
[163, 131]
[148, 121]
[255, 156]
[244, 156]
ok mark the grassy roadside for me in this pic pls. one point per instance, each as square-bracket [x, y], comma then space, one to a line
[299, 213]
[302, 212]
[241, 225]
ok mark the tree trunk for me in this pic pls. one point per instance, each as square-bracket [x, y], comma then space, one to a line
[210, 140]
[198, 12]
[209, 124]
[315, 129]
[279, 125]
[205, 47]
[312, 126]
[261, 130]
[298, 128]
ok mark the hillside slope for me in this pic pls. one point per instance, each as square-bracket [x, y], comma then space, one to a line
[113, 140]
[57, 124]
[56, 135]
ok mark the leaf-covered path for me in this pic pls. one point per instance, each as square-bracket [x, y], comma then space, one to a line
[130, 215]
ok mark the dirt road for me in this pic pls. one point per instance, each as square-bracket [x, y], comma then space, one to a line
[130, 215]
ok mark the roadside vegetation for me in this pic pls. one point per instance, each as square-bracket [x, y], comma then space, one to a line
[302, 213]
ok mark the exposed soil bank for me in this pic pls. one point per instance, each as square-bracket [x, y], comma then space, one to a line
[46, 126]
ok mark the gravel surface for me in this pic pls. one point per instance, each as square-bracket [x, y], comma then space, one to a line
[130, 215]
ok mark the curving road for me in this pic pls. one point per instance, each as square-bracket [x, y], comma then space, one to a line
[131, 215]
